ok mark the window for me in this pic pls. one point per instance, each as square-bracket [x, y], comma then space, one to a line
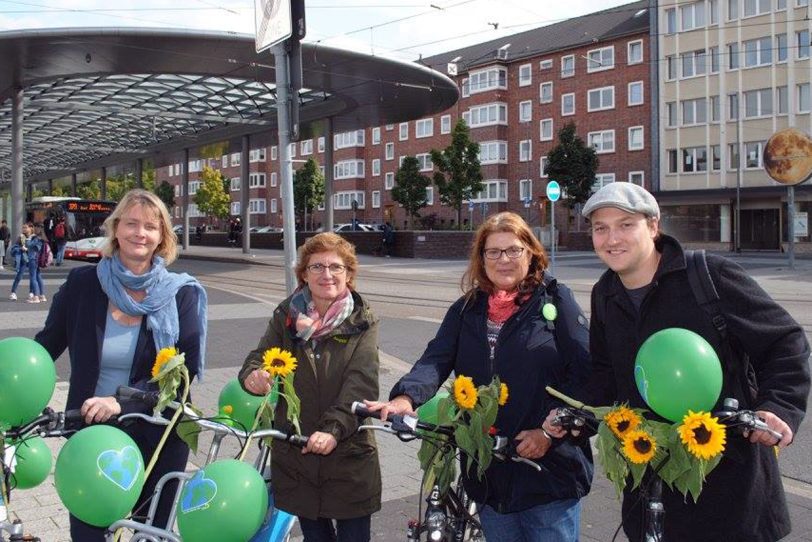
[568, 104]
[389, 181]
[494, 190]
[376, 167]
[671, 114]
[489, 79]
[671, 21]
[634, 52]
[466, 88]
[256, 180]
[733, 56]
[546, 64]
[600, 59]
[389, 151]
[601, 180]
[424, 161]
[802, 41]
[256, 206]
[694, 111]
[694, 63]
[403, 131]
[543, 163]
[758, 103]
[694, 159]
[343, 200]
[274, 207]
[321, 144]
[637, 177]
[636, 142]
[546, 92]
[672, 160]
[635, 93]
[376, 199]
[525, 75]
[429, 195]
[376, 135]
[445, 124]
[753, 152]
[193, 186]
[235, 207]
[716, 108]
[716, 157]
[235, 159]
[306, 147]
[671, 67]
[525, 150]
[348, 169]
[292, 150]
[567, 66]
[758, 52]
[194, 166]
[424, 128]
[343, 140]
[733, 106]
[493, 152]
[603, 141]
[274, 153]
[389, 127]
[525, 189]
[804, 102]
[781, 50]
[486, 115]
[599, 99]
[546, 129]
[756, 7]
[225, 163]
[256, 155]
[525, 111]
[692, 16]
[732, 10]
[235, 184]
[713, 11]
[780, 5]
[274, 180]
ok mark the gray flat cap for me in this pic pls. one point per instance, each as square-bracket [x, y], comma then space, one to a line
[625, 196]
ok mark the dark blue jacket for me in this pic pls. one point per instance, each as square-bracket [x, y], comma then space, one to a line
[528, 357]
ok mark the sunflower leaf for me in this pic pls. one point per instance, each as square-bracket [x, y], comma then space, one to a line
[614, 465]
[188, 431]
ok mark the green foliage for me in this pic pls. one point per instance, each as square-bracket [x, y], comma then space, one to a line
[211, 199]
[188, 431]
[573, 164]
[89, 189]
[459, 174]
[308, 187]
[410, 187]
[166, 193]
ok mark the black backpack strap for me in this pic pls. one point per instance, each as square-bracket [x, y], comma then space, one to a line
[699, 277]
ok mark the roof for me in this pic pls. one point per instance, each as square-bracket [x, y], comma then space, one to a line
[595, 27]
[103, 97]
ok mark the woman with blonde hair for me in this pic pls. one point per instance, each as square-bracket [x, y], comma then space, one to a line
[334, 484]
[114, 317]
[517, 322]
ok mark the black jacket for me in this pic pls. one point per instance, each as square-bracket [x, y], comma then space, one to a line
[743, 499]
[528, 357]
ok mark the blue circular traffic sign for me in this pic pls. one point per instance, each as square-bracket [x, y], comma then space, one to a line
[553, 191]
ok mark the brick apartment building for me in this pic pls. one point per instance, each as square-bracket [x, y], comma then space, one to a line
[517, 92]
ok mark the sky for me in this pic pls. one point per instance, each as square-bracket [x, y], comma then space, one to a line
[402, 29]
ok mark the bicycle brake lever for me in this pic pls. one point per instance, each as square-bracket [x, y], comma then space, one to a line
[519, 459]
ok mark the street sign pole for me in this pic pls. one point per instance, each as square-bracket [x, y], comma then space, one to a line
[553, 193]
[286, 174]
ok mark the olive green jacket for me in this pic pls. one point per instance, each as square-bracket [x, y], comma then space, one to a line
[332, 372]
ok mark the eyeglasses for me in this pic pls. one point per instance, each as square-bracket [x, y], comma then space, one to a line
[335, 268]
[496, 253]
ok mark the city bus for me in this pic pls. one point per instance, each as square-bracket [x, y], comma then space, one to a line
[84, 220]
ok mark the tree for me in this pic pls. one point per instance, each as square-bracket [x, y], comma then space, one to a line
[211, 199]
[573, 164]
[89, 189]
[410, 188]
[166, 194]
[459, 175]
[308, 189]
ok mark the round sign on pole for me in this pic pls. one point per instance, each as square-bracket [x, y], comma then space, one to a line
[470, 206]
[527, 203]
[553, 191]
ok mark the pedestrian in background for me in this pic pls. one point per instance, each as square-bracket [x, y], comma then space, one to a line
[42, 260]
[5, 245]
[387, 239]
[19, 252]
[60, 238]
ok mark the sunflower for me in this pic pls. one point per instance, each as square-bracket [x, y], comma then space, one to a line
[164, 355]
[503, 394]
[621, 420]
[465, 393]
[278, 362]
[639, 446]
[702, 434]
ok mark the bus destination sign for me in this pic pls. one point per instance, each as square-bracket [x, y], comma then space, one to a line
[90, 207]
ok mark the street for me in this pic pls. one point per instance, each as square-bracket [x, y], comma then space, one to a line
[410, 297]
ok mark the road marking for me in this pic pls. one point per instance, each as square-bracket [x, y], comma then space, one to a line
[426, 319]
[797, 487]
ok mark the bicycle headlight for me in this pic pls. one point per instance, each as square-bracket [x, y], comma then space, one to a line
[435, 524]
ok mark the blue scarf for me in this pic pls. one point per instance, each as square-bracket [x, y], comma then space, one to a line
[159, 306]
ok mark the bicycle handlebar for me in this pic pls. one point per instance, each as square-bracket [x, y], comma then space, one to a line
[745, 420]
[52, 424]
[151, 399]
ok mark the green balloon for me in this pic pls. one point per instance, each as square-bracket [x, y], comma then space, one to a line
[239, 405]
[227, 497]
[33, 463]
[99, 474]
[429, 411]
[676, 370]
[27, 378]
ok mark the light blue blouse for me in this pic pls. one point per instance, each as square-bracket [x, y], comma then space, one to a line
[118, 351]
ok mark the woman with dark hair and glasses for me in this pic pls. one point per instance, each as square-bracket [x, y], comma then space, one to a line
[334, 483]
[515, 321]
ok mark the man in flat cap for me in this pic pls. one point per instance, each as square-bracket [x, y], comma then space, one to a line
[651, 285]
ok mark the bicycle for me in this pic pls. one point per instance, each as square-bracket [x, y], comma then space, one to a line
[741, 421]
[450, 516]
[277, 525]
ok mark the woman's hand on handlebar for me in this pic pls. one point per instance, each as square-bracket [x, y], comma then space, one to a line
[401, 404]
[100, 409]
[553, 429]
[776, 424]
[320, 443]
[533, 444]
[258, 382]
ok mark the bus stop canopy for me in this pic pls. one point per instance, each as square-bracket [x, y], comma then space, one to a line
[102, 97]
